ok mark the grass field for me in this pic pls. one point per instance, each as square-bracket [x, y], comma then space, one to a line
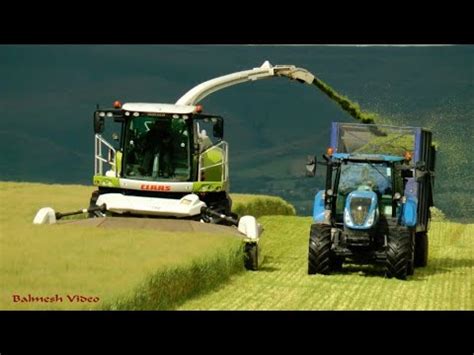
[159, 270]
[283, 283]
[125, 269]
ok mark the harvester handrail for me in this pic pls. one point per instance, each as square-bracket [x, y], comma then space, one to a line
[99, 160]
[223, 145]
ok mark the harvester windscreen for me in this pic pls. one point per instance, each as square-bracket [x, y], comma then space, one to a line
[157, 148]
[375, 139]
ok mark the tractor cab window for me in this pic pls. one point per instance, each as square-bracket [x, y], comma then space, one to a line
[363, 176]
[355, 176]
[157, 148]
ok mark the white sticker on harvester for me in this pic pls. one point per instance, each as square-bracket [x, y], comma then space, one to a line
[389, 172]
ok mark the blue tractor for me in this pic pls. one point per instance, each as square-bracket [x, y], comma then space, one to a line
[375, 207]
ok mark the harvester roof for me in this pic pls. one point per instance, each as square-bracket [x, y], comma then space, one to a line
[158, 108]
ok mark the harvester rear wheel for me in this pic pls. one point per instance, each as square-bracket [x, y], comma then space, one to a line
[421, 249]
[251, 256]
[319, 254]
[398, 254]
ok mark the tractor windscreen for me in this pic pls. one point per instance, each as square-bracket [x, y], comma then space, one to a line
[374, 139]
[157, 148]
[354, 176]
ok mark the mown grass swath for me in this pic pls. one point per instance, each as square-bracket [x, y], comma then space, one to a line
[283, 282]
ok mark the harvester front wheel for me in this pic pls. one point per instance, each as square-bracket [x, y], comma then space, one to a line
[92, 203]
[319, 253]
[251, 256]
[421, 249]
[398, 254]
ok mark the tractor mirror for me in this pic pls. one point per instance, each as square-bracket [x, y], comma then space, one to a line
[98, 123]
[218, 128]
[420, 170]
[311, 165]
[421, 165]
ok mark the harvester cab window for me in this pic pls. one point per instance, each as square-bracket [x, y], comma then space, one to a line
[157, 148]
[205, 129]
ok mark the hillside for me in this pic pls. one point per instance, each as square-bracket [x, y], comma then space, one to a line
[50, 92]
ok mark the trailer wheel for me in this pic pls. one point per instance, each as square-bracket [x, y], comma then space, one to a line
[421, 249]
[411, 260]
[319, 253]
[251, 256]
[398, 254]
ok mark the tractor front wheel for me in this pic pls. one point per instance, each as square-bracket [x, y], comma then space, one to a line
[319, 253]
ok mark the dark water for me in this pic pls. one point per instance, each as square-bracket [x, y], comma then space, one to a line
[48, 94]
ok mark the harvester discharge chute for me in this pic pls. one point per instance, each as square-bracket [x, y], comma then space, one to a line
[164, 165]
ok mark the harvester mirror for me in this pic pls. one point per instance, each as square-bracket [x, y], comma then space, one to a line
[311, 165]
[99, 123]
[218, 128]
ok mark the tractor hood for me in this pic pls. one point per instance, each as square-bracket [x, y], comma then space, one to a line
[361, 209]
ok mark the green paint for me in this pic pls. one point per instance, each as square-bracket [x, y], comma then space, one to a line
[100, 180]
[347, 105]
[204, 186]
[211, 160]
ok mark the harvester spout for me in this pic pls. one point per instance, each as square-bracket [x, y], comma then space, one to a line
[266, 70]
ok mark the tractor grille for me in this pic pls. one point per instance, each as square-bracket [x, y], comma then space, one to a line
[359, 209]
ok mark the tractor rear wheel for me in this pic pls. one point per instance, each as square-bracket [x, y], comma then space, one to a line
[398, 254]
[421, 249]
[320, 260]
[251, 256]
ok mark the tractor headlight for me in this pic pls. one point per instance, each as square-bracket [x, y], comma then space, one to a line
[371, 218]
[359, 209]
[347, 219]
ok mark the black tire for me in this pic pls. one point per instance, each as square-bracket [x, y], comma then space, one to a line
[319, 253]
[398, 253]
[95, 195]
[411, 260]
[251, 256]
[421, 249]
